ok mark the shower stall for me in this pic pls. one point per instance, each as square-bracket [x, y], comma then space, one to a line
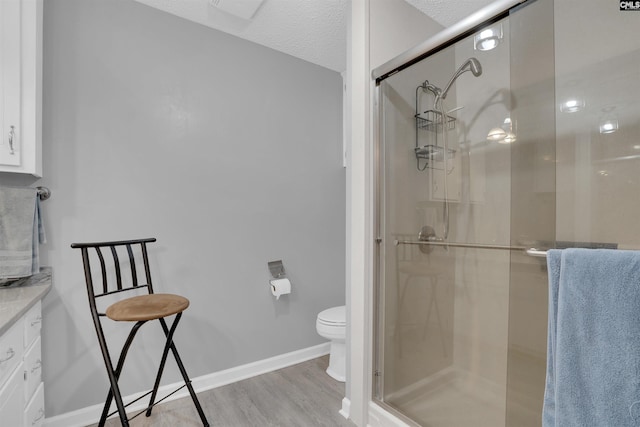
[516, 131]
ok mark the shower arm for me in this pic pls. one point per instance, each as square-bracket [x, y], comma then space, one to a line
[471, 64]
[431, 88]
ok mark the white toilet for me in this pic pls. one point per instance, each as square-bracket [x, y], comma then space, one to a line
[332, 325]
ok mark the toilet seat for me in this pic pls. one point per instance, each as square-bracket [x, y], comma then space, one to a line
[334, 316]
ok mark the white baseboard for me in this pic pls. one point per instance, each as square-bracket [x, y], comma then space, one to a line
[346, 408]
[91, 414]
[378, 417]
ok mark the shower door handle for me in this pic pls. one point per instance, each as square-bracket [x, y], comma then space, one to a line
[538, 253]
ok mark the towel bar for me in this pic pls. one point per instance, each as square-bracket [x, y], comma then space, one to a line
[43, 193]
[534, 252]
[461, 245]
[542, 253]
[529, 251]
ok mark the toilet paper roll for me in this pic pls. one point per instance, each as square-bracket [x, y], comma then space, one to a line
[280, 287]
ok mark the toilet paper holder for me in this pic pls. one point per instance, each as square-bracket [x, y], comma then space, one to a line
[277, 269]
[279, 284]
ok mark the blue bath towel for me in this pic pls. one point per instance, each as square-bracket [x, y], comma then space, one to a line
[593, 354]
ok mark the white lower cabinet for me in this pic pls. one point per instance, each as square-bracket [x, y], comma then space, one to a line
[21, 387]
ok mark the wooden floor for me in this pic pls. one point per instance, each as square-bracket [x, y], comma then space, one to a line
[302, 395]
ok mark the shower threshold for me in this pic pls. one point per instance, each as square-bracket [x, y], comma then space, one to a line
[452, 398]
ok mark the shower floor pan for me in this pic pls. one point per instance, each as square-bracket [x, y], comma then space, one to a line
[452, 398]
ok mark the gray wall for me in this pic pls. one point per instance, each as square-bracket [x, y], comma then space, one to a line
[228, 152]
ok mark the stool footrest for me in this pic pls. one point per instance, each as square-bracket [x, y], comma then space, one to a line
[148, 407]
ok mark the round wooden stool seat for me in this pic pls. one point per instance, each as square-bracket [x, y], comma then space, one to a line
[147, 307]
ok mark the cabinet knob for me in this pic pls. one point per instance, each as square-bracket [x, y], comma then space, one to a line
[38, 417]
[12, 135]
[37, 366]
[10, 354]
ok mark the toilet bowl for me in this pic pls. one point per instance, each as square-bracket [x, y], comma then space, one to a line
[332, 325]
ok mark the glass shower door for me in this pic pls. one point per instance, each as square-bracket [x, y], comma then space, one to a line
[467, 181]
[533, 207]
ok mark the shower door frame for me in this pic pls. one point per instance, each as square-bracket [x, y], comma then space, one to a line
[448, 37]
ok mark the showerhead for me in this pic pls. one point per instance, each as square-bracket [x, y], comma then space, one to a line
[471, 64]
[474, 66]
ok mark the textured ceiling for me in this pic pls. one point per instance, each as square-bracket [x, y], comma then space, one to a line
[312, 30]
[447, 12]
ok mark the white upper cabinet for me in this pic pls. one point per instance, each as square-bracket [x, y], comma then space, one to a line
[21, 86]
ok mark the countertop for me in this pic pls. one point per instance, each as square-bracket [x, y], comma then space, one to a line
[17, 299]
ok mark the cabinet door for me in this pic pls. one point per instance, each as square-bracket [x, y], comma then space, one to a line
[33, 369]
[12, 398]
[34, 412]
[11, 348]
[10, 83]
[32, 323]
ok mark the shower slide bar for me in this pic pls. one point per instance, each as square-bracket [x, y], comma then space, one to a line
[529, 251]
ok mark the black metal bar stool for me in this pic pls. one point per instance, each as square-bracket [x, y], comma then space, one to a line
[139, 309]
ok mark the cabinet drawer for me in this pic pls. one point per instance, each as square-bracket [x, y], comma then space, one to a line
[12, 400]
[32, 324]
[11, 350]
[34, 413]
[33, 369]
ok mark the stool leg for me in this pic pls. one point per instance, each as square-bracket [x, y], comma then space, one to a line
[169, 334]
[116, 376]
[118, 397]
[187, 381]
[165, 352]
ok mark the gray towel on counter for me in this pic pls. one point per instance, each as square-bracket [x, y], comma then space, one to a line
[21, 232]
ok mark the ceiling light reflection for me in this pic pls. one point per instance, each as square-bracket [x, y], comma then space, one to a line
[488, 38]
[496, 134]
[572, 105]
